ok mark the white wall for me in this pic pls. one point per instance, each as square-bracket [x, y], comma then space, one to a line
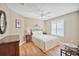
[71, 28]
[14, 30]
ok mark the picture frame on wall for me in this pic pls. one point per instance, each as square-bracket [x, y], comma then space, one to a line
[18, 23]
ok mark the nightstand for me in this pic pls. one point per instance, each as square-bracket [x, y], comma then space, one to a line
[44, 33]
[28, 38]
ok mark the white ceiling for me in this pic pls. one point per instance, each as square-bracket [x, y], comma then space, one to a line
[43, 11]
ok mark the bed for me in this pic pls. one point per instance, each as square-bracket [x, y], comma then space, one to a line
[44, 42]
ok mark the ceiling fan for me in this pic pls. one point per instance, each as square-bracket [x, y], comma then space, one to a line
[44, 14]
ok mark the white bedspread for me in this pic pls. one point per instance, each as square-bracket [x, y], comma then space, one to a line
[45, 42]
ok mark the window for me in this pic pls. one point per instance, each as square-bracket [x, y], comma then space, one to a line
[57, 28]
[54, 28]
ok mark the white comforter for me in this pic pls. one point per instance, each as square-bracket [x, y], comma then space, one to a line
[45, 42]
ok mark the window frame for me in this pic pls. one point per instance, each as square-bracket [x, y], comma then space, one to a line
[56, 22]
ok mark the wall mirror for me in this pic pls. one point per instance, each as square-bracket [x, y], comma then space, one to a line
[3, 22]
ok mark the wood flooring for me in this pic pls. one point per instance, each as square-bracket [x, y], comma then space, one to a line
[29, 49]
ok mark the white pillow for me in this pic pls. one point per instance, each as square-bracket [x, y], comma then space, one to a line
[37, 32]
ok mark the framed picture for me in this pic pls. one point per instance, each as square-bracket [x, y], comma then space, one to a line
[18, 23]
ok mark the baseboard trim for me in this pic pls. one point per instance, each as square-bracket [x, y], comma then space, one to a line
[22, 43]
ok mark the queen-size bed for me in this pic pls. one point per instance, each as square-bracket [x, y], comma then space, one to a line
[44, 42]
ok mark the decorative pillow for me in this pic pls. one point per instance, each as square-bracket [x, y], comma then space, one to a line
[37, 32]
